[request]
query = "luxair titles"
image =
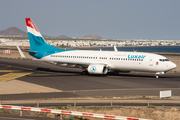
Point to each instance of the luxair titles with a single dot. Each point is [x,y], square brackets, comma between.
[136,56]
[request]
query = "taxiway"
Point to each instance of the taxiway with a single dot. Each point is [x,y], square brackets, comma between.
[27,79]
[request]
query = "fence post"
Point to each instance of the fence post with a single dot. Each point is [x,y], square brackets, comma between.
[111,103]
[74,104]
[20,112]
[37,104]
[148,103]
[61,117]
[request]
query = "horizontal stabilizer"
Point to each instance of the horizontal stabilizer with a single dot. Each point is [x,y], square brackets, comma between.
[31,51]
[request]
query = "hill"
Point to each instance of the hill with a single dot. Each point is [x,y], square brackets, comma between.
[62,36]
[91,37]
[13,32]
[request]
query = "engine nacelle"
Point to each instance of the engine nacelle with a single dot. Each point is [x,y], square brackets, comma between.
[97,69]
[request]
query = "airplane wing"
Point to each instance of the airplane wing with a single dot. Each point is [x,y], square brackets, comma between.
[65,63]
[115,49]
[60,63]
[20,52]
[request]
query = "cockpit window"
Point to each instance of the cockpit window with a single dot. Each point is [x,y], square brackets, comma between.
[162,60]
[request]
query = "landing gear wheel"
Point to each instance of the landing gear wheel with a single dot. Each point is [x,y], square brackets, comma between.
[157,76]
[85,72]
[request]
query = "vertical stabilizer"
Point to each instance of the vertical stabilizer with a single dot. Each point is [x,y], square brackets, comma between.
[36,40]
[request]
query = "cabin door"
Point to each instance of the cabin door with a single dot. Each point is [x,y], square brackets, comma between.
[151,61]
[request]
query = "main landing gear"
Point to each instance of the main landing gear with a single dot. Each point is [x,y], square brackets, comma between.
[85,72]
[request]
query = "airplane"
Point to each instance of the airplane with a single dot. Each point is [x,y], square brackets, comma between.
[95,62]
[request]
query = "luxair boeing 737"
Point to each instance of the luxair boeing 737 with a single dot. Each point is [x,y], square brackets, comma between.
[95,62]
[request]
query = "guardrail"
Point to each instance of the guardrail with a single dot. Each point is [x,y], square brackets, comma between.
[75,113]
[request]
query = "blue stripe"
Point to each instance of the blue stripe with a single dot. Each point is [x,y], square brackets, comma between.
[37,42]
[41,47]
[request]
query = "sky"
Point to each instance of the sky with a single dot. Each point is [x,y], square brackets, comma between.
[110,19]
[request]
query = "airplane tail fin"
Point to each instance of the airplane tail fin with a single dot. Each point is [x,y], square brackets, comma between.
[36,40]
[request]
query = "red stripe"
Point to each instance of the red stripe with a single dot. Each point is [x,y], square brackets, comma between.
[30,24]
[46,110]
[109,117]
[132,119]
[66,112]
[87,114]
[6,107]
[24,108]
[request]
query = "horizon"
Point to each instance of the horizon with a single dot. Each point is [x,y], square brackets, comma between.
[78,38]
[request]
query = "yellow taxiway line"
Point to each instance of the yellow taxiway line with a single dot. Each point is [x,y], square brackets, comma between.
[11,71]
[11,76]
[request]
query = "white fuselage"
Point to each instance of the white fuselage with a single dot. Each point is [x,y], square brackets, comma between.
[95,62]
[118,61]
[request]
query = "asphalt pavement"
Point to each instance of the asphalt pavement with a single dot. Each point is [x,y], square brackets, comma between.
[73,84]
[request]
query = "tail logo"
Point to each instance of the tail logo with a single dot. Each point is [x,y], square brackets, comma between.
[30,24]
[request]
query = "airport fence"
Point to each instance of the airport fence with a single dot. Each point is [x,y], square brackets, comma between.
[64,112]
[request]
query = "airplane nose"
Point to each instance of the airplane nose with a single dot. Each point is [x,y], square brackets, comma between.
[173,65]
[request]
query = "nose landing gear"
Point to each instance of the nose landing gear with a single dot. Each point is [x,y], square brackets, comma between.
[157,76]
[158,73]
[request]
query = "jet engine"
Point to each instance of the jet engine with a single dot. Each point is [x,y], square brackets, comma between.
[97,69]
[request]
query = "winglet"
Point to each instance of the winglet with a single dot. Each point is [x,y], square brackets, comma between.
[115,49]
[20,52]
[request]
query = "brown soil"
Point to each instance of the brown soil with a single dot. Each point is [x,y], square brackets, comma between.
[151,112]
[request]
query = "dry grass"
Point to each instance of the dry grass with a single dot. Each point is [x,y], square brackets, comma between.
[152,112]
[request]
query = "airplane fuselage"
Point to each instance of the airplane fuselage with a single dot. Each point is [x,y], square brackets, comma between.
[120,61]
[95,62]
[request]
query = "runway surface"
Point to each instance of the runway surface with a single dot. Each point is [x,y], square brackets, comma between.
[49,81]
